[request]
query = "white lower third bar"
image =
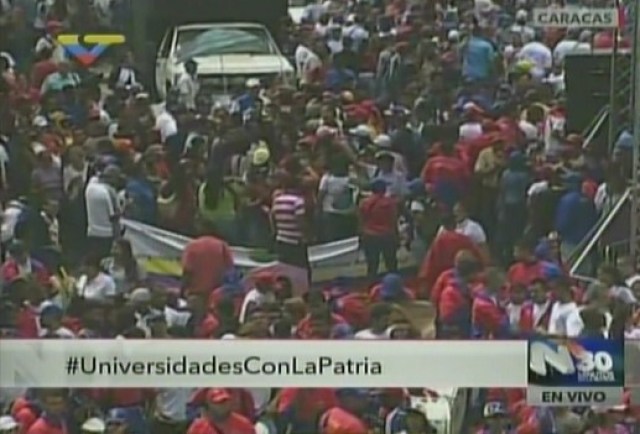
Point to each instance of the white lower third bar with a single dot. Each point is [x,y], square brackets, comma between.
[574,396]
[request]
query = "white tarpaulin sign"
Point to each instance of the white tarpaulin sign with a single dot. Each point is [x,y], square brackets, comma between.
[576,17]
[162,251]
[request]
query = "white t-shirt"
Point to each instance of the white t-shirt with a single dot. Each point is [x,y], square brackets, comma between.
[538,54]
[338,194]
[567,46]
[369,334]
[313,12]
[306,62]
[471,229]
[253,297]
[553,125]
[529,130]
[470,130]
[61,332]
[601,196]
[526,33]
[166,124]
[172,403]
[188,87]
[101,207]
[176,317]
[100,288]
[537,188]
[575,324]
[559,318]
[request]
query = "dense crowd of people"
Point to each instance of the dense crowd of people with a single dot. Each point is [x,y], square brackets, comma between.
[439,127]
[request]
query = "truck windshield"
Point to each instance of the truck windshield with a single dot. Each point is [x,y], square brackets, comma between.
[217,41]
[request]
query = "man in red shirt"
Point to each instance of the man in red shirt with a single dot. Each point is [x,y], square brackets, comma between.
[42,68]
[447,175]
[528,268]
[51,420]
[442,254]
[204,262]
[218,418]
[379,225]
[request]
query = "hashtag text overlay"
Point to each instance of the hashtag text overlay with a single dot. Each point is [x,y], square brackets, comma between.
[251,365]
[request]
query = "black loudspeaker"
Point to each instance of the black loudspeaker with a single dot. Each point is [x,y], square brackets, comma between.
[587,82]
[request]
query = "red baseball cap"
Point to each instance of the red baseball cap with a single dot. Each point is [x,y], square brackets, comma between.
[217,396]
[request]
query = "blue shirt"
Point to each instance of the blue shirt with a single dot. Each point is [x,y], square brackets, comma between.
[478,59]
[575,216]
[243,103]
[337,79]
[142,193]
[513,187]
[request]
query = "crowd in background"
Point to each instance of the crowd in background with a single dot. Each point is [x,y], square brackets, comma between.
[436,127]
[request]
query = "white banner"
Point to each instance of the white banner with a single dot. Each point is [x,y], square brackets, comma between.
[162,251]
[251,363]
[576,17]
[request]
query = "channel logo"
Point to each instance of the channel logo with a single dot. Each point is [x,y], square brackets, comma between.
[575,372]
[97,45]
[576,362]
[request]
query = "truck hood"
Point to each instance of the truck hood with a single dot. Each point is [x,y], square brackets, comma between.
[241,64]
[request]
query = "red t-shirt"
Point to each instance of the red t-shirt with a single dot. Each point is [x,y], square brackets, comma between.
[379,215]
[235,424]
[337,421]
[27,323]
[307,404]
[43,426]
[206,259]
[523,273]
[218,294]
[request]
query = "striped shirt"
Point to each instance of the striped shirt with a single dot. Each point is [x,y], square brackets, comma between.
[287,209]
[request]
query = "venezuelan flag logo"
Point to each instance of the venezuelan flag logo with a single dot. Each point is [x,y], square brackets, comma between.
[91,47]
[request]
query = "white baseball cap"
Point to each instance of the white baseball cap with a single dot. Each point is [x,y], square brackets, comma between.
[522,15]
[253,82]
[95,425]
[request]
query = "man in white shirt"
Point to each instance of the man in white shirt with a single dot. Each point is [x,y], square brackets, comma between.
[575,42]
[539,55]
[103,211]
[356,32]
[467,226]
[520,28]
[49,41]
[562,310]
[554,132]
[170,410]
[313,11]
[380,314]
[166,124]
[307,61]
[188,85]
